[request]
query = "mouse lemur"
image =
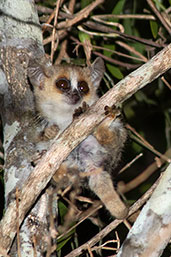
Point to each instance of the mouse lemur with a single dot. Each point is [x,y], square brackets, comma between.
[60,91]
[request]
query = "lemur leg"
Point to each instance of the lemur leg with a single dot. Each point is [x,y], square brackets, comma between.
[93,158]
[101,184]
[105,144]
[111,135]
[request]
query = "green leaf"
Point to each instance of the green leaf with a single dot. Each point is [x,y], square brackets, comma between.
[127,23]
[62,210]
[119,7]
[84,3]
[143,188]
[154,28]
[129,110]
[159,5]
[83,36]
[115,71]
[108,53]
[62,241]
[136,147]
[141,97]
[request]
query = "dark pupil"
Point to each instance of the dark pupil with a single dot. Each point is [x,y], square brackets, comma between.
[63,84]
[83,87]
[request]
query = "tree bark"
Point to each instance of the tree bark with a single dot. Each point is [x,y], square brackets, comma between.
[152,230]
[19,31]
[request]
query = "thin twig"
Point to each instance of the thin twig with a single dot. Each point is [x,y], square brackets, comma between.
[71,6]
[63,53]
[53,47]
[61,35]
[116,62]
[111,23]
[106,29]
[89,213]
[142,58]
[77,18]
[89,251]
[48,21]
[80,15]
[123,16]
[142,177]
[132,50]
[166,82]
[142,141]
[113,224]
[128,165]
[159,16]
[104,247]
[95,33]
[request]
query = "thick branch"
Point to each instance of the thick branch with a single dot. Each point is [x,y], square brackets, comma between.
[156,217]
[77,132]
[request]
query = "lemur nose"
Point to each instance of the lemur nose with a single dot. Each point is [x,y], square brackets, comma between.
[76,96]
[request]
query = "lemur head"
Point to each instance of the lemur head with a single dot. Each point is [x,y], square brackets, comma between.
[64,87]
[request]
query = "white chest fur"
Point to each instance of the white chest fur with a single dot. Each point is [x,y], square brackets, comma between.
[62,116]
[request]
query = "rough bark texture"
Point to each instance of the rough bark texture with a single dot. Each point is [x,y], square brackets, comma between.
[152,230]
[19,28]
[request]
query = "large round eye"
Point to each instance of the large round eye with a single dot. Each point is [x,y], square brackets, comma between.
[63,84]
[83,87]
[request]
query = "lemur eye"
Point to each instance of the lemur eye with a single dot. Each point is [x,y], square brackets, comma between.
[83,87]
[63,84]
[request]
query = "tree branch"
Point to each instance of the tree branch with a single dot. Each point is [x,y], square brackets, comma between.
[72,136]
[105,231]
[151,231]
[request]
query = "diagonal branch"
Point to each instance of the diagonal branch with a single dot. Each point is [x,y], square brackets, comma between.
[105,231]
[151,231]
[80,15]
[72,136]
[159,16]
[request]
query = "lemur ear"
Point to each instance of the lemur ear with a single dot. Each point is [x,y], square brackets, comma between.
[97,71]
[38,70]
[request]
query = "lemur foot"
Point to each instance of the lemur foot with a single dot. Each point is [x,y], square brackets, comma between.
[112,111]
[80,110]
[103,133]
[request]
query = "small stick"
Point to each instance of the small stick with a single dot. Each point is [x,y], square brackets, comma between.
[113,224]
[159,16]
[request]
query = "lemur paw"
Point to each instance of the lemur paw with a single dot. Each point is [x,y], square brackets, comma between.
[49,132]
[80,110]
[112,111]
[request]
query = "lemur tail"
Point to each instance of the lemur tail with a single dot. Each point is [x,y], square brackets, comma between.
[103,187]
